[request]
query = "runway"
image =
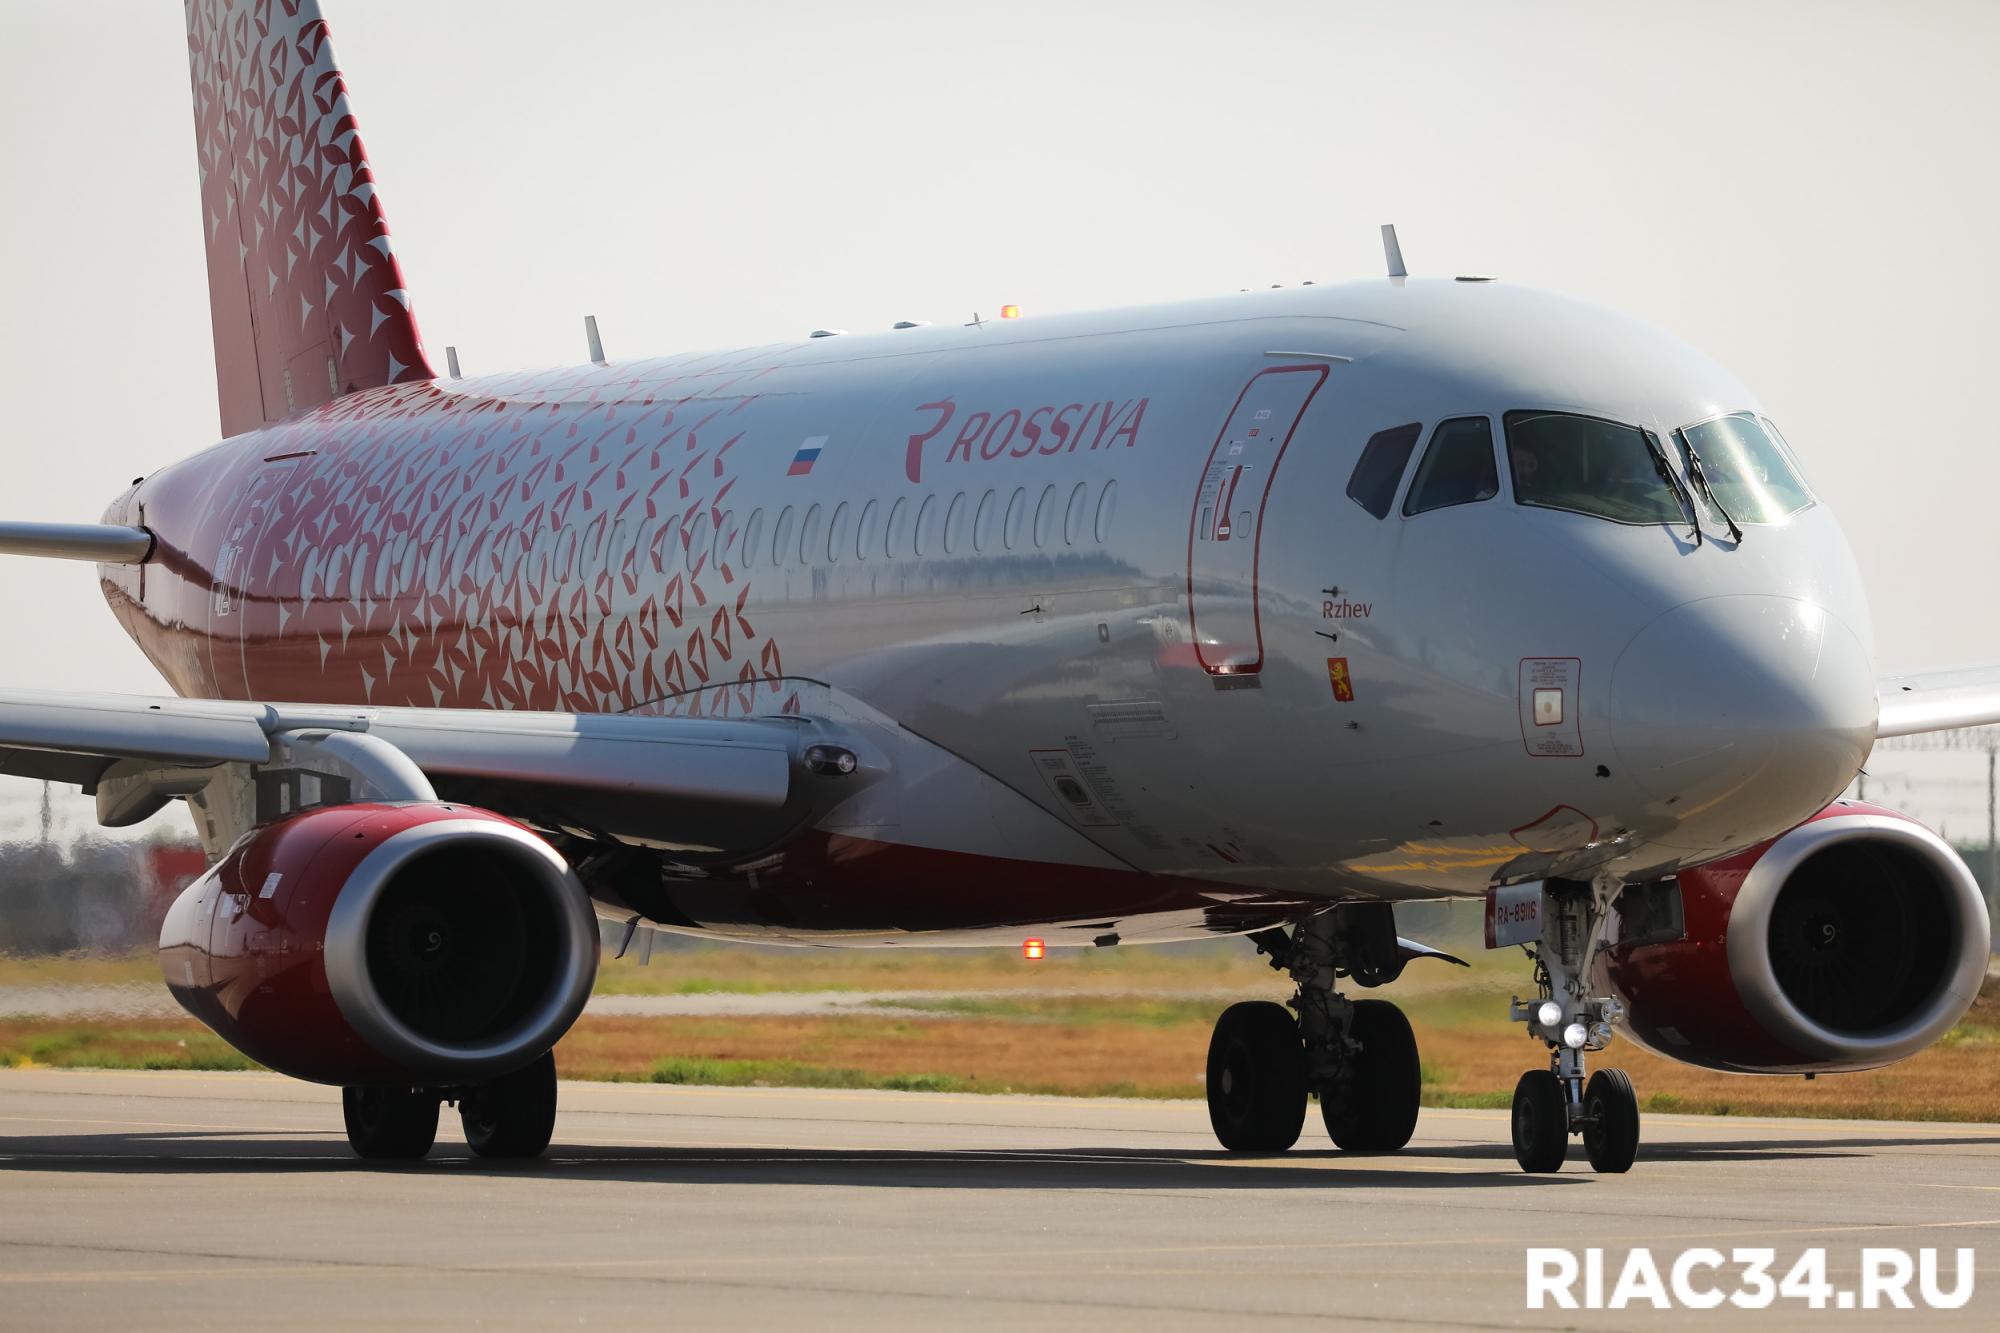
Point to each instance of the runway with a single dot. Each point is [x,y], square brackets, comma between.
[175,1199]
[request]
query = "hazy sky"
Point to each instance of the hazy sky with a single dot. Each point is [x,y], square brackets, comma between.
[1805,191]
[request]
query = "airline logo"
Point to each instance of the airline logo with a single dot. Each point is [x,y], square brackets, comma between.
[808,454]
[1025,432]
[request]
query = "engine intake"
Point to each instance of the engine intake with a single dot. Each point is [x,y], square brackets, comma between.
[418,943]
[1849,942]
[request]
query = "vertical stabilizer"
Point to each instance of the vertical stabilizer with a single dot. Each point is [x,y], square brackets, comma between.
[304,292]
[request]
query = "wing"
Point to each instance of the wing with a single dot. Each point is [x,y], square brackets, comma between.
[1938,701]
[708,785]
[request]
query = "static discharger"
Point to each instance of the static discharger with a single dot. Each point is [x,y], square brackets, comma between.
[1032,950]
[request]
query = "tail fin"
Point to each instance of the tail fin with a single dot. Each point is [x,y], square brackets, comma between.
[306,297]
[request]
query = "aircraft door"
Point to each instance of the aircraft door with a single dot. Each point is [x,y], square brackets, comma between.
[1227,524]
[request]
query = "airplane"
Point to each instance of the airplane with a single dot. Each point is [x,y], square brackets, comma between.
[1256,615]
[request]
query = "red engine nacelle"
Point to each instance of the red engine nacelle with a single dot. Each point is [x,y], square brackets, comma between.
[1849,942]
[421,944]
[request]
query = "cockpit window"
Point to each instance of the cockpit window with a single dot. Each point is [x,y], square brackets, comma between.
[1749,475]
[1380,471]
[1458,468]
[1590,466]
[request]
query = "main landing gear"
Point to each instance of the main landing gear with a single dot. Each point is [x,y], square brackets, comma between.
[1359,1056]
[1554,1103]
[511,1116]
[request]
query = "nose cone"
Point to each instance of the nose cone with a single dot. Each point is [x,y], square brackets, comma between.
[1740,716]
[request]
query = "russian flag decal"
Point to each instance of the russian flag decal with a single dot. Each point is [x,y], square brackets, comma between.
[808,454]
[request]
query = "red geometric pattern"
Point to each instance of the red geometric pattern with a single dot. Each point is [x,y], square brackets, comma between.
[305,294]
[392,541]
[424,553]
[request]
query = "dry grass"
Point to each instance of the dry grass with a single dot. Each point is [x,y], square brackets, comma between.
[1151,1050]
[704,969]
[142,1043]
[75,969]
[1068,1032]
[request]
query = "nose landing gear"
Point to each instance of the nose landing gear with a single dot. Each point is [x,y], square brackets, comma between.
[1359,1056]
[1552,1104]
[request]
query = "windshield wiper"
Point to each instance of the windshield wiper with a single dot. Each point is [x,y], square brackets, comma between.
[1674,483]
[1700,476]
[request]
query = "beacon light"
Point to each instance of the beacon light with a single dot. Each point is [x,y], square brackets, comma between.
[1010,312]
[1031,949]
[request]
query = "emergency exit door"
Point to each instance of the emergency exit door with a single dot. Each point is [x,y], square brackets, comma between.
[1228,521]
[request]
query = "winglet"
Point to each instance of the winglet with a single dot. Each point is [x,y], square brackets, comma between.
[1392,250]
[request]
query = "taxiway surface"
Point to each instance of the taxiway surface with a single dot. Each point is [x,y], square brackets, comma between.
[174,1199]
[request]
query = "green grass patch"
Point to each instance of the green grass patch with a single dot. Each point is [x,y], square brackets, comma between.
[92,1046]
[1074,1010]
[790,1074]
[1468,1101]
[79,969]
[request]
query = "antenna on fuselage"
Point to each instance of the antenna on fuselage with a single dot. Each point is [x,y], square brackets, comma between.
[1392,250]
[596,343]
[451,362]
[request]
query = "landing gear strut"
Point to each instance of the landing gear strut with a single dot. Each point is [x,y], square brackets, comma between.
[1552,1104]
[1359,1056]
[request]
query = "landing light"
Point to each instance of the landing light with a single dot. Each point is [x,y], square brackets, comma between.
[1031,950]
[1549,1014]
[830,760]
[1575,1035]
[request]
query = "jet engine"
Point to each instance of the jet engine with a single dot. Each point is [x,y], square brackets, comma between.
[422,944]
[1849,942]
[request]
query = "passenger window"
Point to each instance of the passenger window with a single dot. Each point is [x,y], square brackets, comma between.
[648,545]
[1045,517]
[926,525]
[1107,509]
[1073,517]
[413,556]
[809,535]
[1016,522]
[781,539]
[954,524]
[753,534]
[694,542]
[725,535]
[836,533]
[864,531]
[1458,468]
[982,523]
[899,518]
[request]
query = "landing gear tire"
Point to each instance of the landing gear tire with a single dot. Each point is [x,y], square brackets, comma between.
[515,1114]
[1256,1078]
[1375,1108]
[1611,1121]
[1541,1122]
[390,1124]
